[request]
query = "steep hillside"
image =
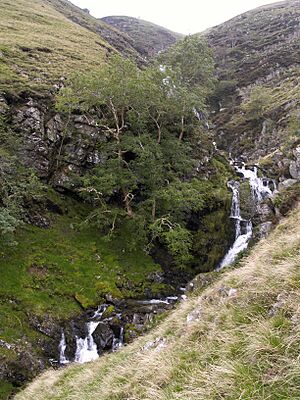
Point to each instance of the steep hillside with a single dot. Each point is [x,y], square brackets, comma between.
[237,339]
[148,39]
[43,42]
[258,63]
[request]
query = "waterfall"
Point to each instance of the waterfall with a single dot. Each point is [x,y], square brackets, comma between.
[260,190]
[86,349]
[118,342]
[62,348]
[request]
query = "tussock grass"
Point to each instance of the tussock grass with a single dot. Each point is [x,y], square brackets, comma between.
[244,341]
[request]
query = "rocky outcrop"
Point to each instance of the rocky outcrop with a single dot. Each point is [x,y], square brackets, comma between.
[58,148]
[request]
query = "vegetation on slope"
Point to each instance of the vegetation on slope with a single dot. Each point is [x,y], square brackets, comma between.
[257,60]
[147,117]
[42,42]
[238,339]
[52,275]
[39,46]
[158,187]
[148,39]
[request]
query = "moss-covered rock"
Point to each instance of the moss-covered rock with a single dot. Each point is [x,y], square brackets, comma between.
[212,240]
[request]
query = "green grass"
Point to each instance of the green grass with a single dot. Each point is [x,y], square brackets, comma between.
[39,45]
[244,346]
[52,270]
[52,274]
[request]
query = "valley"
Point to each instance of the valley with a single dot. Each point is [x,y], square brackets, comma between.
[149,187]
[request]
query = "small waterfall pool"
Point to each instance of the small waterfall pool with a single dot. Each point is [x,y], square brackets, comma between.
[260,190]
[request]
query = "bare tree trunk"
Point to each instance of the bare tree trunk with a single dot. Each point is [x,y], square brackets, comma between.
[154,210]
[182,129]
[127,200]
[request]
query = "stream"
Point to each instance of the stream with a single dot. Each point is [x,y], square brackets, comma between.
[261,189]
[98,332]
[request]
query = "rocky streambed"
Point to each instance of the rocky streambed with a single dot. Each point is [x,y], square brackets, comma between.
[108,328]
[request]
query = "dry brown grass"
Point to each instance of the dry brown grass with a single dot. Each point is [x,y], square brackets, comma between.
[244,345]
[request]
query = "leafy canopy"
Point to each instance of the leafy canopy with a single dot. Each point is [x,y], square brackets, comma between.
[153,140]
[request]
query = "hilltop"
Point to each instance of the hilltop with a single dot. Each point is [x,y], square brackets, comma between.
[148,39]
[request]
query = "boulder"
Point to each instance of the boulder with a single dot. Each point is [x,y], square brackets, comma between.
[286,184]
[103,336]
[295,164]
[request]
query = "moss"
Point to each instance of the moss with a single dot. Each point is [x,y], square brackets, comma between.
[108,312]
[247,204]
[214,237]
[6,390]
[287,199]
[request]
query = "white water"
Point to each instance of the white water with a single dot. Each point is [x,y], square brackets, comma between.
[86,349]
[118,342]
[62,348]
[243,228]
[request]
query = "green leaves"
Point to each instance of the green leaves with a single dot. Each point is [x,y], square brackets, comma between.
[152,141]
[19,186]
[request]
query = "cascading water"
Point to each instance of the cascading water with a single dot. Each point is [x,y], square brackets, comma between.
[86,347]
[62,348]
[260,190]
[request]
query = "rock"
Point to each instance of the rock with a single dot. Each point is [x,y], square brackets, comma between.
[3,106]
[265,211]
[54,128]
[295,169]
[265,228]
[103,336]
[286,184]
[193,316]
[295,165]
[276,307]
[158,344]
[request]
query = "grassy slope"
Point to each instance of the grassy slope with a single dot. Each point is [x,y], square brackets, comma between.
[39,45]
[44,40]
[243,343]
[52,274]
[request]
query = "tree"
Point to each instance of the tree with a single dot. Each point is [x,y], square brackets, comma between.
[144,116]
[191,64]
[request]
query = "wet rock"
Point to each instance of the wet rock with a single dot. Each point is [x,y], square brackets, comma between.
[103,336]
